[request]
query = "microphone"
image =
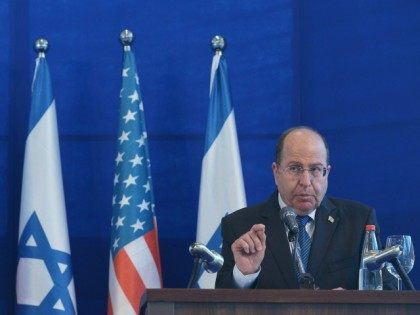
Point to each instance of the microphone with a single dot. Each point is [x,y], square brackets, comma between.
[212,260]
[374,261]
[288,216]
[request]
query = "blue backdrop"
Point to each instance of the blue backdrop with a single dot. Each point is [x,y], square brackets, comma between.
[348,68]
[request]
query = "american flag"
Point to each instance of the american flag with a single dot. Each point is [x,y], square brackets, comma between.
[134,253]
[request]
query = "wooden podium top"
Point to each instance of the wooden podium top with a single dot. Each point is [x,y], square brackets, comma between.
[291,302]
[282,296]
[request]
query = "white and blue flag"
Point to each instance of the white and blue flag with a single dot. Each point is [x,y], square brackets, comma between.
[222,187]
[44,280]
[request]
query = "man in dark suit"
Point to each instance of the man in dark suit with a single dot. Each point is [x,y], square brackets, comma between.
[256,250]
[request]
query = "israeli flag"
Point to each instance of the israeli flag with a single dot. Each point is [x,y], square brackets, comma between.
[222,186]
[44,283]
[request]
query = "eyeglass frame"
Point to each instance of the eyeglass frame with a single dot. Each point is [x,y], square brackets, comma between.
[287,170]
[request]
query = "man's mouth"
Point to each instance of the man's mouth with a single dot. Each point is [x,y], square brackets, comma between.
[304,196]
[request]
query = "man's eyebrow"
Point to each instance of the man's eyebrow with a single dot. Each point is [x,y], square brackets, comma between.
[294,163]
[317,164]
[301,164]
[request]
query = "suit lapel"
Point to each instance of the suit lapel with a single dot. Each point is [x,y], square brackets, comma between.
[326,221]
[277,242]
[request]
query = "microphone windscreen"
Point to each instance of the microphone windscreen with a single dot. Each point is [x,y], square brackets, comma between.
[288,216]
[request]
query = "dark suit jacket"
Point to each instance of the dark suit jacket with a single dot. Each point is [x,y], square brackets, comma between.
[335,251]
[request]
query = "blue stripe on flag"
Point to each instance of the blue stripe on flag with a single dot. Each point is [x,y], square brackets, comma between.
[42,96]
[215,243]
[220,103]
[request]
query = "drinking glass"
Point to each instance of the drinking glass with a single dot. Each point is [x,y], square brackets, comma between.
[406,258]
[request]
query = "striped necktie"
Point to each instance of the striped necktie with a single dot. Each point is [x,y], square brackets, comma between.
[304,239]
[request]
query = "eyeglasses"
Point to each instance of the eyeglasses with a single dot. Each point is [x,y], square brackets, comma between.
[296,171]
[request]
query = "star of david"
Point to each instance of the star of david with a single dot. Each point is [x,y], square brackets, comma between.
[34,244]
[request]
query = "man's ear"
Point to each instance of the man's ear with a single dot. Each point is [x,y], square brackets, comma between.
[275,169]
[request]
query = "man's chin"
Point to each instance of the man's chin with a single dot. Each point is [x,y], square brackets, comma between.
[304,207]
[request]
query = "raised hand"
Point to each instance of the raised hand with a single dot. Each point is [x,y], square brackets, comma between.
[249,249]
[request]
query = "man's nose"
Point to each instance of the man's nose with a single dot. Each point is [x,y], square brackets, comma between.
[305,178]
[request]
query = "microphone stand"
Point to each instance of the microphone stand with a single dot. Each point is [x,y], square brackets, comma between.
[194,272]
[306,280]
[401,272]
[209,259]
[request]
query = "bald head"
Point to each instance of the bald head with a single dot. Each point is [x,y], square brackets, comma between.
[302,135]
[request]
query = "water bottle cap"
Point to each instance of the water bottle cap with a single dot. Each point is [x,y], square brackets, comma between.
[370,227]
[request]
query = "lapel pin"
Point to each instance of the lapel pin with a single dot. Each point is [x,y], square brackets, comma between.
[331,219]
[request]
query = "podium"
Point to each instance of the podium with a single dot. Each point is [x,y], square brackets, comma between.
[264,302]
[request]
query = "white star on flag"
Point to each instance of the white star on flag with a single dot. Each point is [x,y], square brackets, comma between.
[147,186]
[124,136]
[137,160]
[140,141]
[137,79]
[115,245]
[125,201]
[125,72]
[129,116]
[119,222]
[134,97]
[131,180]
[119,157]
[144,205]
[137,226]
[116,179]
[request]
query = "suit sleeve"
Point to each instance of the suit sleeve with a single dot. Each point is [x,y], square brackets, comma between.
[225,275]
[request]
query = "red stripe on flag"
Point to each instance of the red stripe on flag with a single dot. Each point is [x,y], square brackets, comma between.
[109,311]
[128,278]
[151,239]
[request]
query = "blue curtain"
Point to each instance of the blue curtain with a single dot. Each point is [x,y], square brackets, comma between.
[347,68]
